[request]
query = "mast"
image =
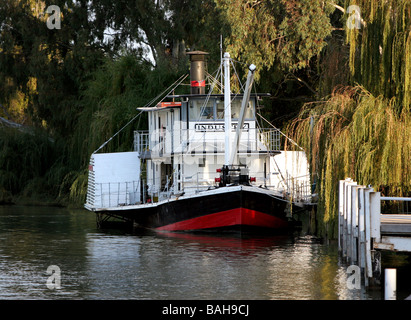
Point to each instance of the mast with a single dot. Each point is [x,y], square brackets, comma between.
[227,108]
[221,59]
[244,102]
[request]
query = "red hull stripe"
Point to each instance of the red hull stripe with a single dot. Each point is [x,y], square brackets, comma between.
[238,216]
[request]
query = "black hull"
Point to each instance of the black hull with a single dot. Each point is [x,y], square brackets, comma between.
[235,210]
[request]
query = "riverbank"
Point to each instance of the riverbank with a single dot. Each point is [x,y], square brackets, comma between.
[7,199]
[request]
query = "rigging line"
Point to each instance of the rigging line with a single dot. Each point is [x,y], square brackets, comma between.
[238,77]
[111,138]
[217,71]
[172,86]
[257,105]
[236,61]
[291,140]
[146,105]
[204,105]
[213,79]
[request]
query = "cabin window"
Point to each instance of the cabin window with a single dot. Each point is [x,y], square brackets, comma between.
[199,110]
[236,108]
[220,110]
[214,110]
[207,111]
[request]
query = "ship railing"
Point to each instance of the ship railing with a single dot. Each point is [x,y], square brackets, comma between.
[252,139]
[299,188]
[270,138]
[198,182]
[160,142]
[115,194]
[296,189]
[141,141]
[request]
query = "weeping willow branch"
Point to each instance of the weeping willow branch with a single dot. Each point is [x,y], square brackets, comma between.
[355,134]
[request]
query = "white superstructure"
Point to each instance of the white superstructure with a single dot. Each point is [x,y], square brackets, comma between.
[187,145]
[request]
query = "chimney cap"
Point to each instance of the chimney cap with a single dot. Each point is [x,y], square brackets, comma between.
[197,52]
[197,55]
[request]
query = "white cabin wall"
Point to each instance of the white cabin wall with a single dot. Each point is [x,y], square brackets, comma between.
[289,165]
[116,179]
[256,165]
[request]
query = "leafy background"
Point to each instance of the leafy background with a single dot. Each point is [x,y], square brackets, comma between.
[342,93]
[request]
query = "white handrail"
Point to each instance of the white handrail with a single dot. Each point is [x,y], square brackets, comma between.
[396,198]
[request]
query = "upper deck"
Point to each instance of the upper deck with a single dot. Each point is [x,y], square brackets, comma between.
[195,124]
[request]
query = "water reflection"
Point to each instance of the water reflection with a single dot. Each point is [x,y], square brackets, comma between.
[98,264]
[183,265]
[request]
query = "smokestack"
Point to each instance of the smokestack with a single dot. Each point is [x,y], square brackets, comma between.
[197,71]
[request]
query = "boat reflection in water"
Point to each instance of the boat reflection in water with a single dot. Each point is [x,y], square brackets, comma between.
[171,265]
[118,264]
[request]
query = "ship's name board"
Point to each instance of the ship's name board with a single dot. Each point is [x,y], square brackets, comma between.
[217,127]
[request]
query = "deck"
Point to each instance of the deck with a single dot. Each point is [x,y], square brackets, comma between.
[396,224]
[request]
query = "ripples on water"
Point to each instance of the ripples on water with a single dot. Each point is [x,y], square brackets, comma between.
[148,265]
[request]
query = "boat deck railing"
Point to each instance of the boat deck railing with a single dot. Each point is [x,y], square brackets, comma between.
[113,194]
[162,142]
[117,194]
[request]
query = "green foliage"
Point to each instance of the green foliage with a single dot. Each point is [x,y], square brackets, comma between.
[25,159]
[380,52]
[363,131]
[79,87]
[276,32]
[111,100]
[355,134]
[78,189]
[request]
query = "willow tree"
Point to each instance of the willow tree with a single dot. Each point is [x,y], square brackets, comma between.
[363,131]
[380,51]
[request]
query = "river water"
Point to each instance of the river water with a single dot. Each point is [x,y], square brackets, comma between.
[87,263]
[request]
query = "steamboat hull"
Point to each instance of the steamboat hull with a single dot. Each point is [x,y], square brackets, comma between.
[236,208]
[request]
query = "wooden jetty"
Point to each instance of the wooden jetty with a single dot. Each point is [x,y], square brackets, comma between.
[363,231]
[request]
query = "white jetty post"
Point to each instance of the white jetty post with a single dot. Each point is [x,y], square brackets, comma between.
[341,201]
[375,230]
[347,219]
[375,211]
[361,228]
[227,108]
[390,291]
[367,225]
[354,225]
[342,217]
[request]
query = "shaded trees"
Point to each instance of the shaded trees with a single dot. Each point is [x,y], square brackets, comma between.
[363,131]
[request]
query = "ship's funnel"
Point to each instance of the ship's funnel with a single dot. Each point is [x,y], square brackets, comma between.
[197,71]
